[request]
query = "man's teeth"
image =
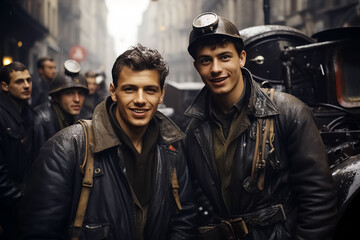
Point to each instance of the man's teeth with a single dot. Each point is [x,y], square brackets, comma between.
[139,111]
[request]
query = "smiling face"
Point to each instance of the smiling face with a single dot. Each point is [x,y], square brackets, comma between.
[20,85]
[71,100]
[220,69]
[138,94]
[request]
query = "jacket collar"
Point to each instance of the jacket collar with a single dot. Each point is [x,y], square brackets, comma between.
[258,103]
[105,136]
[9,105]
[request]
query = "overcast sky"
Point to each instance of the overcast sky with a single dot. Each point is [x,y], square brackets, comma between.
[123,19]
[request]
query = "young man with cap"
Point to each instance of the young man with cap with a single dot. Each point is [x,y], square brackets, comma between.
[16,125]
[257,159]
[67,92]
[141,187]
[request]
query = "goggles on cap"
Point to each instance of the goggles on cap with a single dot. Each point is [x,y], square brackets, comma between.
[72,67]
[206,22]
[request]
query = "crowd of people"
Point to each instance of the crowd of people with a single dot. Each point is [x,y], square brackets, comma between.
[250,165]
[31,113]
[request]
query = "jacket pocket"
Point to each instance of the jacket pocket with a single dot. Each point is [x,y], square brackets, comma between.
[96,231]
[93,231]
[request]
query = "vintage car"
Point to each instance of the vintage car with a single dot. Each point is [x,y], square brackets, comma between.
[324,72]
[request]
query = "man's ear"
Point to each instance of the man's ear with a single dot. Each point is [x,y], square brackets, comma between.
[112,90]
[242,58]
[4,86]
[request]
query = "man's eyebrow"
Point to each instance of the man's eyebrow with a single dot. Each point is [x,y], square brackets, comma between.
[220,54]
[225,53]
[203,56]
[134,85]
[127,85]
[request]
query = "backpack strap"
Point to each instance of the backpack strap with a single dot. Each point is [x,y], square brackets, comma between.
[264,135]
[175,189]
[87,168]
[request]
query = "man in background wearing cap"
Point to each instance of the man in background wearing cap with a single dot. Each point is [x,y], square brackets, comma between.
[67,92]
[276,186]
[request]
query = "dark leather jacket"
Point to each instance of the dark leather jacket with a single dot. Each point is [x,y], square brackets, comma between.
[54,186]
[15,141]
[40,92]
[15,159]
[301,181]
[47,123]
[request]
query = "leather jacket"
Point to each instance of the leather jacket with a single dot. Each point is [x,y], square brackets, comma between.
[40,92]
[54,184]
[300,181]
[15,159]
[15,142]
[47,123]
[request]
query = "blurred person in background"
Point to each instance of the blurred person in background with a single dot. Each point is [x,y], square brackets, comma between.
[93,98]
[103,89]
[67,91]
[16,124]
[46,70]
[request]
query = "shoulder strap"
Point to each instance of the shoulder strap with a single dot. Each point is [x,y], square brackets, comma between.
[264,135]
[175,188]
[87,168]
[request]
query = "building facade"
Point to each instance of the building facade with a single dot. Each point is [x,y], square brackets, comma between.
[167,23]
[35,28]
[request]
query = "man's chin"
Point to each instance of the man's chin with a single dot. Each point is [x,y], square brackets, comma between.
[75,113]
[25,97]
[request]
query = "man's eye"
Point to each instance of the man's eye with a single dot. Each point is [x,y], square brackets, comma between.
[151,90]
[128,89]
[225,57]
[19,81]
[69,93]
[204,61]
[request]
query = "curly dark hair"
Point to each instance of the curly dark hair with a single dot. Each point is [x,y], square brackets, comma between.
[140,58]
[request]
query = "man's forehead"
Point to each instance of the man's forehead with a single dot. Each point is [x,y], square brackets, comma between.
[129,76]
[49,63]
[209,51]
[19,74]
[91,79]
[214,46]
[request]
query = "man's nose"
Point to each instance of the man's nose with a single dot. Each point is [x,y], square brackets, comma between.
[76,97]
[216,66]
[140,97]
[26,84]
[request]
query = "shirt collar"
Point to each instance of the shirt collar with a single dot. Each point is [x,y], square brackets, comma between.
[234,110]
